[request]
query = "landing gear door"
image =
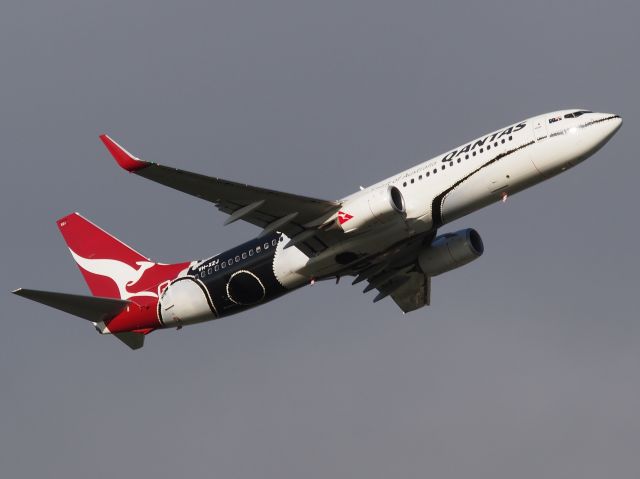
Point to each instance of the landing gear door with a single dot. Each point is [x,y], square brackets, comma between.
[540,128]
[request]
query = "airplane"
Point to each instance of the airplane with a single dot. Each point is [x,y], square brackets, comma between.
[385,234]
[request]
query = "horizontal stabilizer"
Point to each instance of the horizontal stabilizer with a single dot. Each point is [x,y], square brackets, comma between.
[92,308]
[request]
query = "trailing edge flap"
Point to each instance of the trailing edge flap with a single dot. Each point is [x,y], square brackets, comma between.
[91,308]
[413,294]
[133,340]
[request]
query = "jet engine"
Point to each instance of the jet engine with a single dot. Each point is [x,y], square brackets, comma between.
[450,251]
[375,208]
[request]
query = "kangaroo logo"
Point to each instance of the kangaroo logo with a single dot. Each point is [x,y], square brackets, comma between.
[123,275]
[343,217]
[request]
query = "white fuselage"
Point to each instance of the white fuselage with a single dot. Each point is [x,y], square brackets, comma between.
[476,174]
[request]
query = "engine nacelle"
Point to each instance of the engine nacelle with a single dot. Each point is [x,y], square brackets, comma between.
[376,208]
[450,251]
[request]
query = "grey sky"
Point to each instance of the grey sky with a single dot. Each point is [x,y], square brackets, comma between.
[526,366]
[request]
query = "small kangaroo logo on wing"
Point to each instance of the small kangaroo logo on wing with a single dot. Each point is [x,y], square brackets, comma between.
[343,217]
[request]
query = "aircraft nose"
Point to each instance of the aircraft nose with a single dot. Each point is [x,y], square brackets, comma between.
[594,135]
[616,123]
[608,124]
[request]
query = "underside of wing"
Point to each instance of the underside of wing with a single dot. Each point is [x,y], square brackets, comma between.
[397,275]
[410,289]
[414,293]
[295,215]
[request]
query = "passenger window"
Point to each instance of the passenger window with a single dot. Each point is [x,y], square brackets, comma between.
[209,271]
[274,242]
[251,252]
[224,265]
[258,249]
[216,268]
[404,184]
[230,261]
[244,255]
[510,138]
[202,274]
[420,177]
[503,140]
[266,246]
[237,259]
[428,173]
[412,180]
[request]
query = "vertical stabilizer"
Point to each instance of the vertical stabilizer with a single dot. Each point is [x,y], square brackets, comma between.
[111,268]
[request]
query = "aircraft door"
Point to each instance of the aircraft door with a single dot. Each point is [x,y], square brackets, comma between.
[540,128]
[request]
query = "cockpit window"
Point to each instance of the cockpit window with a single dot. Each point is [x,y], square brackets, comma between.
[576,114]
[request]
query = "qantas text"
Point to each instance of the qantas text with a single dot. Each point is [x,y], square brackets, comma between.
[478,143]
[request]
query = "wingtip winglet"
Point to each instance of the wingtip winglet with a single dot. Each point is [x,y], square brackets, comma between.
[125,159]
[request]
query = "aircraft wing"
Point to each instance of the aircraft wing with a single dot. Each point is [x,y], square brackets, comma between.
[296,216]
[409,289]
[397,275]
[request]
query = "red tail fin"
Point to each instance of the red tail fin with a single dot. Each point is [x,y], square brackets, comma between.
[111,268]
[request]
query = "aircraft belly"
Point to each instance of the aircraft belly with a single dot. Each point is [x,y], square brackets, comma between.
[374,241]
